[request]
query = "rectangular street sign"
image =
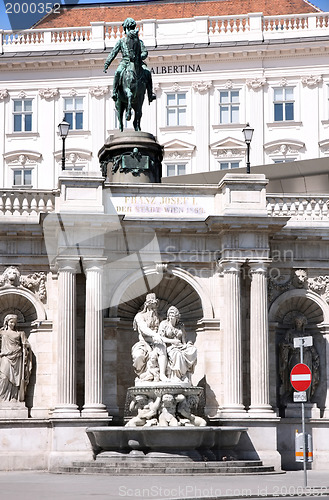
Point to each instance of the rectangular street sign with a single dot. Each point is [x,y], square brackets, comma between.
[303,341]
[300,397]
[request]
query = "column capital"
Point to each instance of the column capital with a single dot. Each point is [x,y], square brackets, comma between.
[258,267]
[232,267]
[93,263]
[68,264]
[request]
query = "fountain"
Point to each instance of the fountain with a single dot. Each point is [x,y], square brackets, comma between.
[164,417]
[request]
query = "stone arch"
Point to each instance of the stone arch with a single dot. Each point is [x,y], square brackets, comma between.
[307,302]
[133,288]
[22,303]
[173,287]
[281,320]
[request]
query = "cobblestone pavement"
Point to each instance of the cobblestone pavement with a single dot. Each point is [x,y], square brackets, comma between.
[45,486]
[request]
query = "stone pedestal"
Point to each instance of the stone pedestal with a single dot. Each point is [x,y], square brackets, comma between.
[155,390]
[294,410]
[13,409]
[131,157]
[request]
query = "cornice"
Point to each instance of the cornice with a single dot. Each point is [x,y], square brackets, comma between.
[170,55]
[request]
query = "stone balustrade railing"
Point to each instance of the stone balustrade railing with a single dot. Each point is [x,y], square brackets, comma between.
[307,208]
[29,203]
[199,29]
[32,202]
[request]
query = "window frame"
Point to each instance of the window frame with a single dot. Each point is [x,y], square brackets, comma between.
[176,107]
[74,112]
[23,171]
[229,162]
[284,103]
[23,113]
[176,165]
[230,104]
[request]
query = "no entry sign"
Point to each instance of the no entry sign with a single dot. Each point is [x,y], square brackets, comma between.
[301,377]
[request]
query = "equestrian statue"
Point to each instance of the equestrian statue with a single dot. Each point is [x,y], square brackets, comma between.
[132,76]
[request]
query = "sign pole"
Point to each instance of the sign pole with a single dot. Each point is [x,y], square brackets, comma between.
[303,424]
[301,378]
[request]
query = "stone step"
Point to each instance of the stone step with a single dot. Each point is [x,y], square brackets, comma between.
[134,468]
[126,462]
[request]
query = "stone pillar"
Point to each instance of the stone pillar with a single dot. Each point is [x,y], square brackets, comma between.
[326,374]
[66,366]
[259,359]
[94,340]
[233,401]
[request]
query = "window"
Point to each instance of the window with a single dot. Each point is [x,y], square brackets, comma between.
[283,104]
[73,112]
[22,115]
[176,109]
[176,169]
[22,177]
[284,160]
[229,106]
[226,165]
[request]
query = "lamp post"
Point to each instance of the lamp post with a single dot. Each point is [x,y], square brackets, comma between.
[248,131]
[63,128]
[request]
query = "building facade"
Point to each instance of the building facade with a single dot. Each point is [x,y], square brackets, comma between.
[246,266]
[211,74]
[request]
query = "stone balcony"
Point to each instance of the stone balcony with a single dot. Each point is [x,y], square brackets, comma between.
[250,27]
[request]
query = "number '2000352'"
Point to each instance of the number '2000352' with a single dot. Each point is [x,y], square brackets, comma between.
[32,8]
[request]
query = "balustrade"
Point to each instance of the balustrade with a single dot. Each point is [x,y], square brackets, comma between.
[298,207]
[251,26]
[26,203]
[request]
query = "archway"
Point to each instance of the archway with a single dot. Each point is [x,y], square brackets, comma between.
[313,313]
[120,336]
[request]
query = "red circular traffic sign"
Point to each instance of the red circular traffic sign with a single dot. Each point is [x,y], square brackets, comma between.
[301,377]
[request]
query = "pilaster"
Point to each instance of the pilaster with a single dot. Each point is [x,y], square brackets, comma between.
[94,406]
[66,377]
[233,401]
[259,359]
[326,337]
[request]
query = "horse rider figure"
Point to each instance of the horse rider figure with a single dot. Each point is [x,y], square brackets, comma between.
[133,50]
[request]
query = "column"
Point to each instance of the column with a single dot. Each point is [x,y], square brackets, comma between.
[94,340]
[326,374]
[233,402]
[66,366]
[259,359]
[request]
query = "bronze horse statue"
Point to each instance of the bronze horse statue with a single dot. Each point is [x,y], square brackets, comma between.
[131,95]
[132,77]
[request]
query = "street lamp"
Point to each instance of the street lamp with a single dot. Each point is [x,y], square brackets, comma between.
[63,128]
[248,131]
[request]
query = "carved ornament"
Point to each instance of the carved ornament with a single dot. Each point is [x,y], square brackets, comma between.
[311,81]
[48,93]
[256,83]
[36,282]
[3,94]
[202,86]
[99,91]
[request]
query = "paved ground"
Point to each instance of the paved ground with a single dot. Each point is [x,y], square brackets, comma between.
[45,486]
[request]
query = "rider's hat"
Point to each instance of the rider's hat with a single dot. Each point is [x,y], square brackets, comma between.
[129,23]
